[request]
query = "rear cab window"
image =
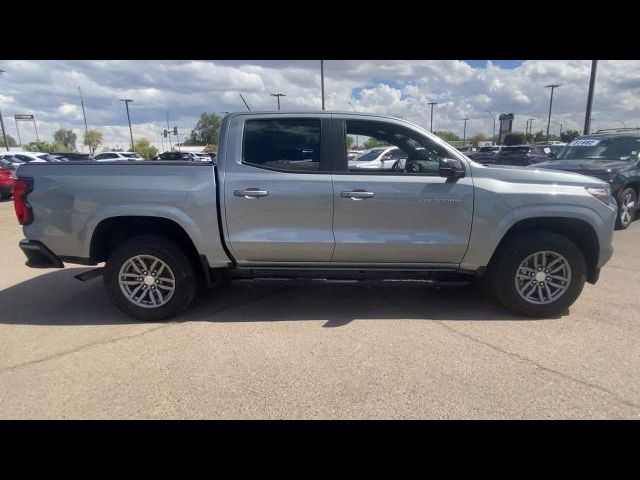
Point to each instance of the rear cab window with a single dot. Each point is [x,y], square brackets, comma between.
[283,144]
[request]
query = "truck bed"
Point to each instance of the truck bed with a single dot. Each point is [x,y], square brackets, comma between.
[70,200]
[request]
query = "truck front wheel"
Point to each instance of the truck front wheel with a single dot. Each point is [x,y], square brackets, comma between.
[150,278]
[539,274]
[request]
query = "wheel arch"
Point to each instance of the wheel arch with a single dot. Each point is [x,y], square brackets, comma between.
[578,231]
[111,232]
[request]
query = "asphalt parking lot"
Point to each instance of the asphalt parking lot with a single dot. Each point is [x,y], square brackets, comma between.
[276,351]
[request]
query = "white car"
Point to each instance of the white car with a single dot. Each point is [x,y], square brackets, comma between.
[25,157]
[379,158]
[118,156]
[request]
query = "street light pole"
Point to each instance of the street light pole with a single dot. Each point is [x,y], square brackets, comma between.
[4,134]
[552,86]
[464,132]
[126,104]
[592,84]
[278,95]
[321,82]
[169,132]
[432,104]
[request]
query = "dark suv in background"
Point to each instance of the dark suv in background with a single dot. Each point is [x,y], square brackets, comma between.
[521,155]
[612,156]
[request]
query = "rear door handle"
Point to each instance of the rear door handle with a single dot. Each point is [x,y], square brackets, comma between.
[357,194]
[251,193]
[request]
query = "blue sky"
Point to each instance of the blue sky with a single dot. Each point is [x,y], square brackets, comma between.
[506,64]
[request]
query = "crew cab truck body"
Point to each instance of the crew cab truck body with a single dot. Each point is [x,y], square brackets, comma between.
[281,201]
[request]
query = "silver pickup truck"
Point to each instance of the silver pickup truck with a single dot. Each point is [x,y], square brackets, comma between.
[282,202]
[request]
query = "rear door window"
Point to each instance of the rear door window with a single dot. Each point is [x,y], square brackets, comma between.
[288,144]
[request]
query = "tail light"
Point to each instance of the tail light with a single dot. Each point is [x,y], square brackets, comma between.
[6,177]
[21,189]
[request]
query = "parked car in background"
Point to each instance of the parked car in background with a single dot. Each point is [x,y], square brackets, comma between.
[118,156]
[68,157]
[468,149]
[612,156]
[519,155]
[203,157]
[6,159]
[379,158]
[29,157]
[178,157]
[352,154]
[7,180]
[488,152]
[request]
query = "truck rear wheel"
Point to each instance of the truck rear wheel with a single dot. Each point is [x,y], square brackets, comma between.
[150,278]
[539,274]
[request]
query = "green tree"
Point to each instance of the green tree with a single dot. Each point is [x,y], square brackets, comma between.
[92,139]
[515,138]
[350,142]
[374,142]
[144,148]
[206,131]
[66,139]
[447,136]
[570,135]
[40,146]
[478,137]
[12,141]
[540,136]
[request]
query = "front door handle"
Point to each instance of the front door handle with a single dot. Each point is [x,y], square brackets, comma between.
[357,194]
[251,193]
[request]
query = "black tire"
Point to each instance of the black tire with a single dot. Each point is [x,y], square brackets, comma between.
[502,272]
[630,193]
[169,253]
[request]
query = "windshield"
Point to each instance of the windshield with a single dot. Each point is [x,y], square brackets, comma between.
[594,148]
[370,155]
[8,160]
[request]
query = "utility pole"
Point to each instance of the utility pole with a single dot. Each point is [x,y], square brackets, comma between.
[162,140]
[86,129]
[126,104]
[464,132]
[432,104]
[321,84]
[278,95]
[592,84]
[531,119]
[169,132]
[4,134]
[552,86]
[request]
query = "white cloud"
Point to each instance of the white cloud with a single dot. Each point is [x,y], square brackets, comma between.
[49,89]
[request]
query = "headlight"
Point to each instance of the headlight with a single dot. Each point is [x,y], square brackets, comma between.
[601,193]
